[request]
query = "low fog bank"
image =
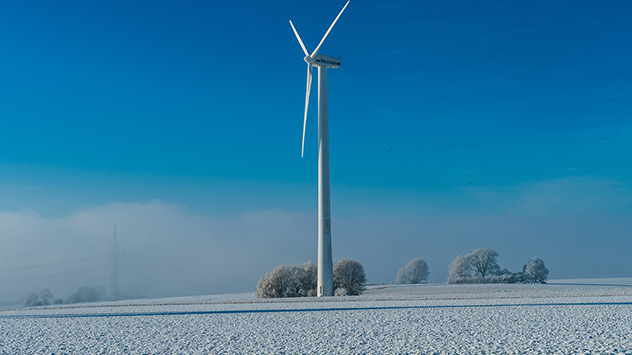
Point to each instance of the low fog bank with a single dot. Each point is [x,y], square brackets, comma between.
[169,251]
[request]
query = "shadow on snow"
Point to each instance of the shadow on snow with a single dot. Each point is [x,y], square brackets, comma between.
[299,310]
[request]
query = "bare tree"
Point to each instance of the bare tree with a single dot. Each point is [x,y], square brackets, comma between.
[349,275]
[484,262]
[535,271]
[414,272]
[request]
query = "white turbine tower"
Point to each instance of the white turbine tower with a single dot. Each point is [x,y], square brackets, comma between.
[325,263]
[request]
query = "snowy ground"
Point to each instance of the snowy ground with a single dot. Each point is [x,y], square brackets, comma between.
[563,317]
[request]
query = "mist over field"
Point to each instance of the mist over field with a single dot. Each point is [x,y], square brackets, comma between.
[169,250]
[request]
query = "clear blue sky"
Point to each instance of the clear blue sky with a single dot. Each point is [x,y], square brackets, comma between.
[510,111]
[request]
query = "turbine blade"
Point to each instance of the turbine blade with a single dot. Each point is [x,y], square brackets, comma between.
[329,30]
[309,88]
[299,39]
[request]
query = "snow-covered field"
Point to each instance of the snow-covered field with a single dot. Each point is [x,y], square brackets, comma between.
[563,317]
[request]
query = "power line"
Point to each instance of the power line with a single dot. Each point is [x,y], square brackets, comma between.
[52,276]
[52,264]
[114,259]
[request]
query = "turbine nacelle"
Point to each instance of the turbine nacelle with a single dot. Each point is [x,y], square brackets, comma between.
[323,61]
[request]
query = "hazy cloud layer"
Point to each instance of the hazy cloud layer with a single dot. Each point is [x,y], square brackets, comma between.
[580,228]
[167,250]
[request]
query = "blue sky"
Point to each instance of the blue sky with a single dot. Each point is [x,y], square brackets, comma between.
[504,118]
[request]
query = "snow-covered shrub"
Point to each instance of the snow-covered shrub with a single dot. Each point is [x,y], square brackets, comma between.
[288,281]
[507,278]
[535,271]
[340,291]
[349,274]
[278,283]
[414,272]
[271,284]
[302,281]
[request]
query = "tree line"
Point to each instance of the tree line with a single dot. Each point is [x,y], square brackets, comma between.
[45,297]
[479,266]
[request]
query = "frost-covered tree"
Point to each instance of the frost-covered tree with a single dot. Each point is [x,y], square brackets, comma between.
[46,296]
[484,262]
[42,298]
[271,284]
[310,279]
[414,272]
[535,271]
[349,275]
[86,294]
[460,269]
[302,280]
[294,281]
[288,281]
[478,267]
[281,282]
[32,299]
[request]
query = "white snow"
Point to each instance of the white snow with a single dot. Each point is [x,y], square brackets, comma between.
[563,317]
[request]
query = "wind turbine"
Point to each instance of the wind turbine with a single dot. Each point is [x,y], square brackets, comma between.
[322,62]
